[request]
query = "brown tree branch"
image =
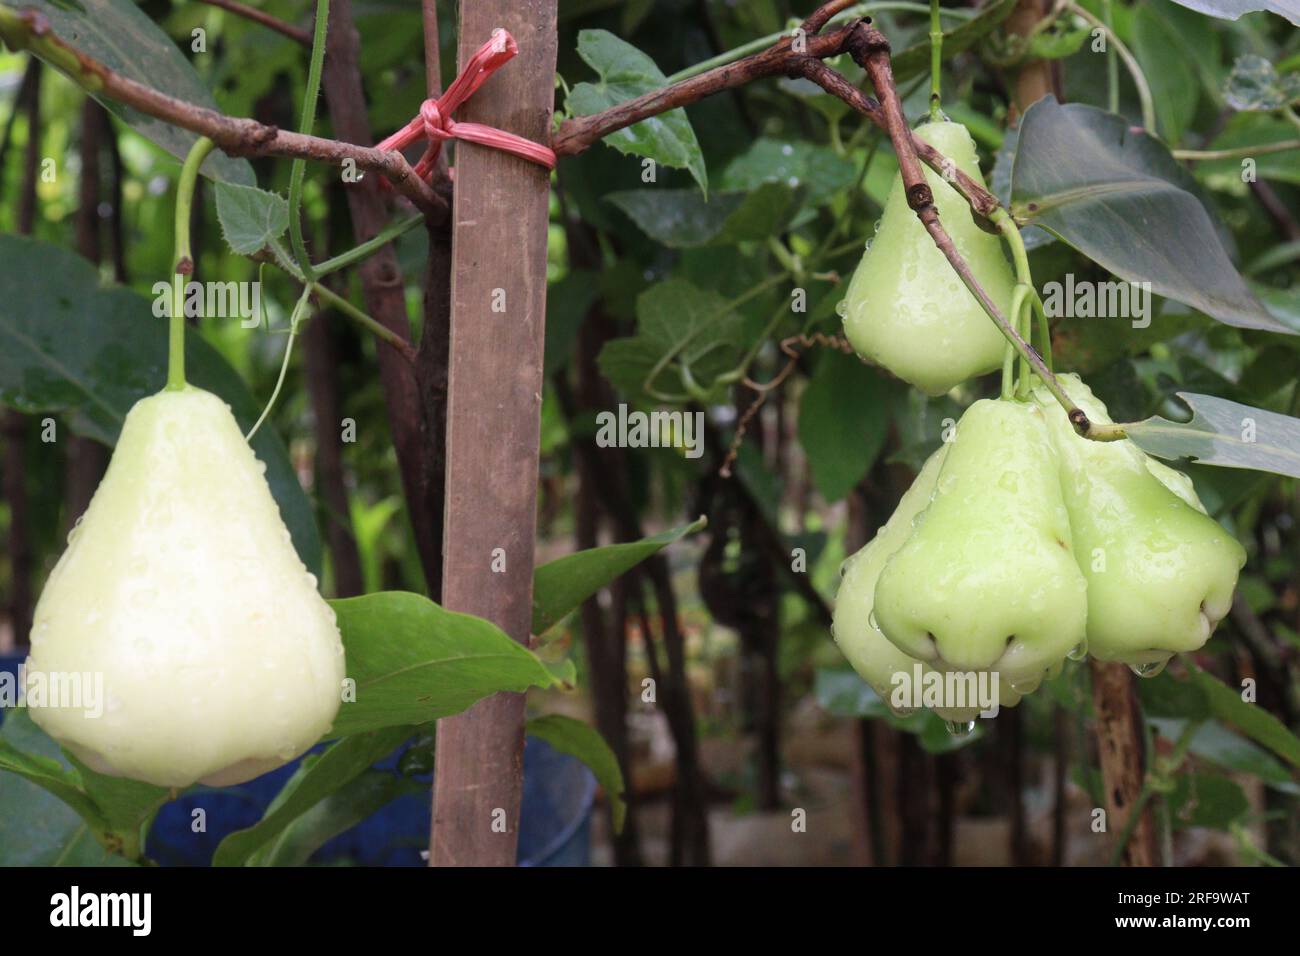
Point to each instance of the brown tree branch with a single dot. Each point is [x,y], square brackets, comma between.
[28,30]
[297,34]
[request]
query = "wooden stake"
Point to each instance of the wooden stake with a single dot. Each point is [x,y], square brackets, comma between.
[498,297]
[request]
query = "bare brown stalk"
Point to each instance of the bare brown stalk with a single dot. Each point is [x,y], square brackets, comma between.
[297,34]
[28,30]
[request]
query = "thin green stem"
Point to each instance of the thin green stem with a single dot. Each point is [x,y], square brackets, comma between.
[294,319]
[1009,352]
[367,248]
[762,43]
[358,315]
[299,167]
[1112,61]
[1289,114]
[1021,315]
[1259,149]
[183,261]
[936,58]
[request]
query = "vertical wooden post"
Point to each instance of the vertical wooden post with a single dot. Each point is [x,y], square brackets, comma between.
[498,306]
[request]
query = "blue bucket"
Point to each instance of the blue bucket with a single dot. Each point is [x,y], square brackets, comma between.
[554,827]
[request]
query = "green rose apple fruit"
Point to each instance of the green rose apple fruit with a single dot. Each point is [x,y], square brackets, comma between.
[906,309]
[987,580]
[1160,572]
[180,588]
[877,661]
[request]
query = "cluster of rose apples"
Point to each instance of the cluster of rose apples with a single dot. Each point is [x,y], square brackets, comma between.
[1020,543]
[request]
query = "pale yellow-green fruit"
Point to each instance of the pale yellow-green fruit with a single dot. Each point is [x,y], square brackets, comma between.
[1160,572]
[987,580]
[181,590]
[888,670]
[906,309]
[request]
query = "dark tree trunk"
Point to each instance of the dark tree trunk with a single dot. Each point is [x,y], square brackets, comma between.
[320,357]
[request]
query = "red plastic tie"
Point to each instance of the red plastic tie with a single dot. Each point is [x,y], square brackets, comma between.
[435,124]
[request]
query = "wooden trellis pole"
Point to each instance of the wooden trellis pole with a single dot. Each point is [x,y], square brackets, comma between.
[498,309]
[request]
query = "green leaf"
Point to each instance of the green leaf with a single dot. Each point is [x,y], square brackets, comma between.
[559,586]
[682,218]
[1234,9]
[1224,433]
[793,163]
[625,73]
[1169,71]
[121,36]
[127,805]
[38,823]
[1251,719]
[567,302]
[696,327]
[250,218]
[48,774]
[1121,199]
[1207,800]
[317,778]
[414,661]
[73,347]
[581,740]
[843,693]
[1163,696]
[352,803]
[843,420]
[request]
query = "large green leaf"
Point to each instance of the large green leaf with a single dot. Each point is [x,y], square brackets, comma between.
[317,778]
[1169,70]
[682,218]
[793,163]
[1251,719]
[1234,9]
[843,420]
[38,792]
[72,346]
[120,35]
[1120,198]
[352,803]
[1224,433]
[625,73]
[581,740]
[561,585]
[414,661]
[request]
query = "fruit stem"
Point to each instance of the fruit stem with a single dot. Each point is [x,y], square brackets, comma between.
[184,264]
[936,57]
[1009,352]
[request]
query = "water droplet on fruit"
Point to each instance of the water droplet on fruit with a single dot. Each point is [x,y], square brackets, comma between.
[871,619]
[1151,669]
[960,728]
[1079,651]
[842,308]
